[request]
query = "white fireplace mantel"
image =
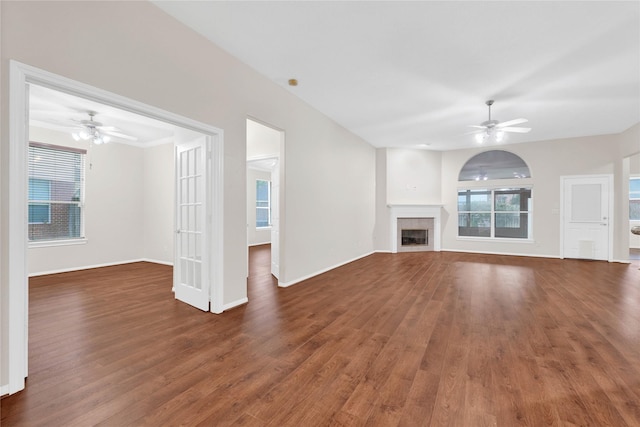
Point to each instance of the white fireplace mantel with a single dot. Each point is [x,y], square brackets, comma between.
[415,211]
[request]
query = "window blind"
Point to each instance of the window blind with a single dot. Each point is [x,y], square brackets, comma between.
[56,192]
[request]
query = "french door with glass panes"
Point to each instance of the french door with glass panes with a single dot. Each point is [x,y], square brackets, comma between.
[191,278]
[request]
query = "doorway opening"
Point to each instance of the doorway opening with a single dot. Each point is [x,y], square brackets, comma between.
[265,148]
[22,78]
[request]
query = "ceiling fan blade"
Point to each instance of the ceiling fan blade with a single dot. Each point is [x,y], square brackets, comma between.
[121,135]
[474,131]
[516,130]
[511,123]
[477,126]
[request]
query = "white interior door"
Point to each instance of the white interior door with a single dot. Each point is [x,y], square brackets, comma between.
[586,217]
[275,220]
[191,278]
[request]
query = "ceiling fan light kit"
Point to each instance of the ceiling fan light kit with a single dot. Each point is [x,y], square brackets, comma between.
[494,129]
[95,137]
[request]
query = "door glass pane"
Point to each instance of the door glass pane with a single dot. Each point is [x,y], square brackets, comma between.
[192,162]
[197,226]
[197,282]
[184,218]
[196,189]
[184,171]
[184,187]
[198,238]
[183,271]
[192,191]
[196,165]
[586,203]
[189,281]
[185,244]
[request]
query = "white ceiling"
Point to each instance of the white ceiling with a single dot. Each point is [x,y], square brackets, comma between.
[60,111]
[417,73]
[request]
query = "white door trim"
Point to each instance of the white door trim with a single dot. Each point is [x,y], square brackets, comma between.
[610,216]
[20,75]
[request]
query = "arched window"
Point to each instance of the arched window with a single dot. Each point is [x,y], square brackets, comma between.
[494,164]
[494,212]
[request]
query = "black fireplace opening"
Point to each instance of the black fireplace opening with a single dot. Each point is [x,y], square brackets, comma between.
[412,237]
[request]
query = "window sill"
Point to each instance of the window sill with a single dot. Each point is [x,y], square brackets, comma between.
[268,227]
[52,243]
[495,239]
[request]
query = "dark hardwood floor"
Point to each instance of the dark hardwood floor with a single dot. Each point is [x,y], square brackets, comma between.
[408,339]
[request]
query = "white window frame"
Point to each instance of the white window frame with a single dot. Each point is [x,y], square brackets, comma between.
[633,177]
[492,213]
[268,207]
[67,240]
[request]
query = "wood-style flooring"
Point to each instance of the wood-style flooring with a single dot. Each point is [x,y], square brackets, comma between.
[413,339]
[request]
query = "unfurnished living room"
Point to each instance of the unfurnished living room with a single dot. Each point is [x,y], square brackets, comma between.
[320,213]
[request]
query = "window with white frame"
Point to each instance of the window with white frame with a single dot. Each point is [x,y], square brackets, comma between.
[634,198]
[263,203]
[495,213]
[56,192]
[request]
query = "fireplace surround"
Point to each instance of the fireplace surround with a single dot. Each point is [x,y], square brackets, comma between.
[415,217]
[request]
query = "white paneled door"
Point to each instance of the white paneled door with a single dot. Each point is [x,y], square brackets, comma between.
[191,279]
[586,217]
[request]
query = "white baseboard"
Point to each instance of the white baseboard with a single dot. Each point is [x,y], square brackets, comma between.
[309,276]
[236,303]
[4,390]
[502,253]
[88,267]
[157,261]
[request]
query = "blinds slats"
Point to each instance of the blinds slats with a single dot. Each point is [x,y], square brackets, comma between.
[56,190]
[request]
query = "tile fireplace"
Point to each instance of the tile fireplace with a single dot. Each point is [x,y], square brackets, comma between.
[415,228]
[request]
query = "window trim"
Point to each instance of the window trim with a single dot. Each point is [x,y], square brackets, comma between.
[59,242]
[492,214]
[66,240]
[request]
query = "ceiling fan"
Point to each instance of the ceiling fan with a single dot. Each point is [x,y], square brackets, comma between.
[96,131]
[497,129]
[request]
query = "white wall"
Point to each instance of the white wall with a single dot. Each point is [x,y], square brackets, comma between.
[548,161]
[413,176]
[382,226]
[154,59]
[128,206]
[113,207]
[158,203]
[255,236]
